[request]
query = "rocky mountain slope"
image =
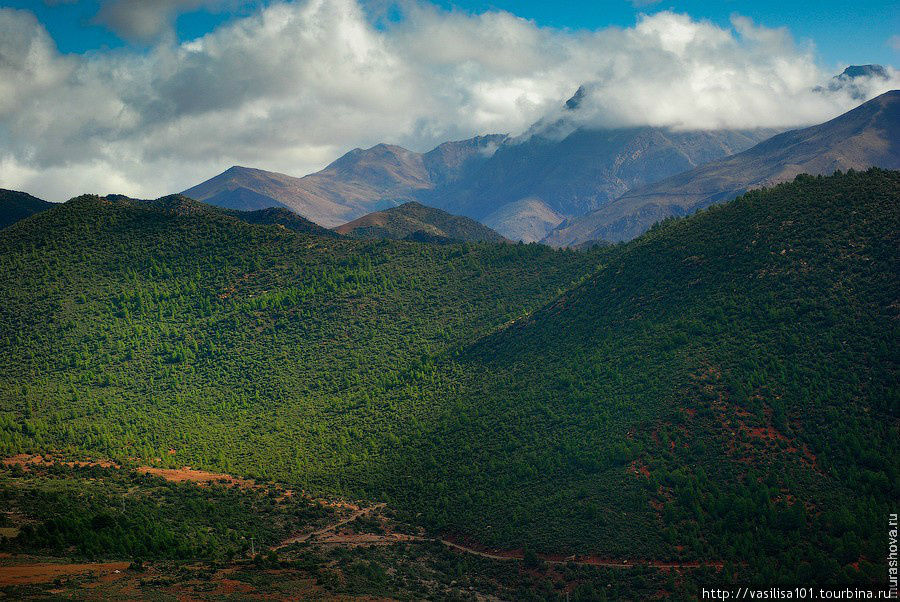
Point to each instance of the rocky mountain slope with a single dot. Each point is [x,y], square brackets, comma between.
[534,182]
[359,182]
[864,137]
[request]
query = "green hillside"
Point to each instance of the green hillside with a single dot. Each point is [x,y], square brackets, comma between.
[722,389]
[725,387]
[15,206]
[132,327]
[414,221]
[269,216]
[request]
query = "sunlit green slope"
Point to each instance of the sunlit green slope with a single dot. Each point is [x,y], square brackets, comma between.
[129,328]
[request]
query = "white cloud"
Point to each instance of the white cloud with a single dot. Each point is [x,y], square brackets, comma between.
[296,84]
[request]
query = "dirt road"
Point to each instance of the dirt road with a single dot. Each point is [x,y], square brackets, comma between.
[328,536]
[330,528]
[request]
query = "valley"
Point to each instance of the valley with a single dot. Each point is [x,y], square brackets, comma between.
[462,301]
[711,377]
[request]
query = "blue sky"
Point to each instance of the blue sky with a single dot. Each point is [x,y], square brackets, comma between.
[107,96]
[843,31]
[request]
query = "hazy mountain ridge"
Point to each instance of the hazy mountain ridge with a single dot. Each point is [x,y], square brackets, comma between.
[559,170]
[359,182]
[521,187]
[866,136]
[528,219]
[562,170]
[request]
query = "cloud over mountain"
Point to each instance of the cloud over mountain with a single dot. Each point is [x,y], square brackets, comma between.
[296,84]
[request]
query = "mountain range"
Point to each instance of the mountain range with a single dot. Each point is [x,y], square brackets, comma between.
[359,182]
[869,135]
[565,184]
[561,170]
[521,187]
[560,183]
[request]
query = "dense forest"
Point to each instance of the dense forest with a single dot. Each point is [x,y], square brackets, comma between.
[135,328]
[19,205]
[723,388]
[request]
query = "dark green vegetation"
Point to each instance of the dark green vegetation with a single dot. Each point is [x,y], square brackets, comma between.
[723,388]
[726,383]
[414,221]
[105,512]
[269,216]
[133,327]
[15,206]
[281,217]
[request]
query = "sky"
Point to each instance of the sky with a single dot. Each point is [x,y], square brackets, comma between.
[149,97]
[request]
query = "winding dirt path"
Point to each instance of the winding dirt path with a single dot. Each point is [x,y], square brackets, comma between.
[581,560]
[330,528]
[327,536]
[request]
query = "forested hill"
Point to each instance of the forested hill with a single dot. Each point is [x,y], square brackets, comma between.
[721,389]
[15,206]
[281,217]
[414,221]
[130,328]
[725,387]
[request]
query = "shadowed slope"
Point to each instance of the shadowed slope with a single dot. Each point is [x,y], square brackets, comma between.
[415,221]
[722,388]
[15,206]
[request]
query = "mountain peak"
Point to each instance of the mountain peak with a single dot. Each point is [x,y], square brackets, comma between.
[852,80]
[854,71]
[861,138]
[574,102]
[238,169]
[358,182]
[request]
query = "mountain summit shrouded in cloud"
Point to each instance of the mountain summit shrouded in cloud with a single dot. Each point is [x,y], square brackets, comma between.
[293,85]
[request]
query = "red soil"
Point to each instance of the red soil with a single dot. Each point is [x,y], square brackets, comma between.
[640,469]
[26,460]
[188,474]
[45,572]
